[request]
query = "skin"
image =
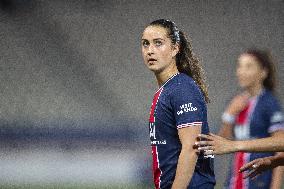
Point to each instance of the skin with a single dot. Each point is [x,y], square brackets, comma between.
[221,145]
[257,166]
[159,56]
[159,53]
[250,77]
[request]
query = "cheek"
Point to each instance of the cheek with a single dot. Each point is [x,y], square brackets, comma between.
[165,53]
[253,73]
[143,53]
[252,77]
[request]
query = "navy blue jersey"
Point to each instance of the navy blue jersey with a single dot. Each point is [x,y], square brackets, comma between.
[261,117]
[179,103]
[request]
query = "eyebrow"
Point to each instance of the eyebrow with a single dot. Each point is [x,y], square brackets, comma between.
[153,39]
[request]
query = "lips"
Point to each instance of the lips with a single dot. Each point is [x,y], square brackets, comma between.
[152,60]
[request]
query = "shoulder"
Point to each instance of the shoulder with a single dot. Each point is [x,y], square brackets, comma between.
[269,98]
[184,83]
[184,87]
[269,104]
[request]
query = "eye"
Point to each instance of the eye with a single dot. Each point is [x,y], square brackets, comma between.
[145,43]
[158,43]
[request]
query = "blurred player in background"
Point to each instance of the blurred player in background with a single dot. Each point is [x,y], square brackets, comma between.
[253,114]
[178,112]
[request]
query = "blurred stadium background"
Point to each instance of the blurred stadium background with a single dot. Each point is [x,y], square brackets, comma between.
[75,95]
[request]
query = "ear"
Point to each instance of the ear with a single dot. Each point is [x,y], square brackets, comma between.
[175,50]
[264,74]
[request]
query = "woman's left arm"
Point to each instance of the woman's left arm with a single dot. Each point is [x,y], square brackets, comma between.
[215,144]
[187,158]
[277,174]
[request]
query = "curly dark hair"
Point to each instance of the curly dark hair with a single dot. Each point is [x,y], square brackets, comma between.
[186,61]
[266,61]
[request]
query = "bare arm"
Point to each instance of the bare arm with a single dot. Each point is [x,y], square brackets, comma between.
[277,176]
[221,145]
[187,158]
[277,173]
[275,143]
[226,131]
[237,104]
[257,166]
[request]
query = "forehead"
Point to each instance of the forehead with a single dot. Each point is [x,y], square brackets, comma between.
[154,32]
[247,58]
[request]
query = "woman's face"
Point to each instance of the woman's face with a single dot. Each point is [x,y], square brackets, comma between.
[249,71]
[157,49]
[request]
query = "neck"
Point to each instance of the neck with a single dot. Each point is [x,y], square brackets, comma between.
[163,76]
[255,90]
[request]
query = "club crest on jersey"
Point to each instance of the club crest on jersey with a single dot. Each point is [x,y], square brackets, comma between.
[188,107]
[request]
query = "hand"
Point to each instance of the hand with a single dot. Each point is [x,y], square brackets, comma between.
[257,166]
[237,104]
[213,144]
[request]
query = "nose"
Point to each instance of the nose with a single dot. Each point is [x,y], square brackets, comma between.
[150,50]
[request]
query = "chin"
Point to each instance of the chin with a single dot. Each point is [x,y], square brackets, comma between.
[245,86]
[154,69]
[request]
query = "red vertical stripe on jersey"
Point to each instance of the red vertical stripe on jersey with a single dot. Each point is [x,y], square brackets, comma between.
[153,107]
[156,169]
[239,181]
[242,118]
[240,158]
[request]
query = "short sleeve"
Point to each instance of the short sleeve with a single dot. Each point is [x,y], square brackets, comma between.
[276,118]
[188,106]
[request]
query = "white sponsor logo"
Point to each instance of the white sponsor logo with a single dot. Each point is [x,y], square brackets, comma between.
[186,108]
[209,155]
[155,142]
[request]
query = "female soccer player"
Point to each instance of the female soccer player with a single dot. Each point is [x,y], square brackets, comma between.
[254,114]
[178,112]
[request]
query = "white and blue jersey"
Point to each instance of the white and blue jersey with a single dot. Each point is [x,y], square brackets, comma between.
[179,103]
[260,118]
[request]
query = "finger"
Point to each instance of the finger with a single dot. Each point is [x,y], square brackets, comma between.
[251,174]
[209,152]
[203,136]
[203,143]
[255,166]
[247,166]
[246,175]
[203,148]
[244,168]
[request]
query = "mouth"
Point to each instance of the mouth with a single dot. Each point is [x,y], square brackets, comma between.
[152,60]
